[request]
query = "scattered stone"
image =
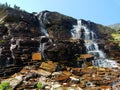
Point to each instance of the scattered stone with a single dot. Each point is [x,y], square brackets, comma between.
[42,72]
[49,66]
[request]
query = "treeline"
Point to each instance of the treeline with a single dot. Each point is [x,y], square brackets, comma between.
[6,5]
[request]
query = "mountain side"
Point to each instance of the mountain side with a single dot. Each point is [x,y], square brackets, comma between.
[51,51]
[57,25]
[23,34]
[115,26]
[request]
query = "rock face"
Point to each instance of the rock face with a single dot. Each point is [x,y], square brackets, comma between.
[23,33]
[48,35]
[17,32]
[57,25]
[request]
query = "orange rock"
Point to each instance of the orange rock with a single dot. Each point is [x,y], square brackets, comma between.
[24,71]
[84,56]
[49,66]
[86,71]
[62,78]
[66,73]
[105,87]
[37,56]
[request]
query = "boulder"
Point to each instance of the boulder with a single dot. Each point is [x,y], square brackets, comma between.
[42,72]
[49,66]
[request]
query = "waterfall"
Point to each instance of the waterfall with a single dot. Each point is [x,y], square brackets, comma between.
[42,46]
[42,20]
[42,17]
[81,31]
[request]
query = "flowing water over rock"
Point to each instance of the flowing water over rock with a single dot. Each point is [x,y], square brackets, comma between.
[89,36]
[43,20]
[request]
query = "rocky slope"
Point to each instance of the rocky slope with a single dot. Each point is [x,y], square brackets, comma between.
[59,26]
[17,29]
[21,35]
[24,34]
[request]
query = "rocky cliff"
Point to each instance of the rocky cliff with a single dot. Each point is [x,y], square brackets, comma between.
[57,25]
[23,33]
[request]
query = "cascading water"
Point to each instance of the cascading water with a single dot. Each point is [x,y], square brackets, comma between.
[42,20]
[81,31]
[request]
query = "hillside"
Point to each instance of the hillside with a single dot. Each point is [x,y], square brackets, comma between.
[115,26]
[51,51]
[22,27]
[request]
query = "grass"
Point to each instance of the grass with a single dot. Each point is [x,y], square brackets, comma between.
[116,37]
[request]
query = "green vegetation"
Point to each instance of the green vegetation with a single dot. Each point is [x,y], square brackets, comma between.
[6,5]
[3,41]
[115,36]
[105,30]
[4,86]
[39,85]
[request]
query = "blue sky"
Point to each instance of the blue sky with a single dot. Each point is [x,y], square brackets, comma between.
[105,12]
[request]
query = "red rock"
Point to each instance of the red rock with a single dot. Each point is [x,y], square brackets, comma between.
[62,78]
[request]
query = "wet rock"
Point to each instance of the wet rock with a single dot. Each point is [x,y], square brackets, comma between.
[65,50]
[59,27]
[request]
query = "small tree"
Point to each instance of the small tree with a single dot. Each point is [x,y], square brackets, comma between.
[6,4]
[16,7]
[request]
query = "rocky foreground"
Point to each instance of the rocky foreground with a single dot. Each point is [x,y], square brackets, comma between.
[50,75]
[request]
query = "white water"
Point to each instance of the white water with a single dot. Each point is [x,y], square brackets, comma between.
[43,20]
[12,47]
[42,46]
[81,31]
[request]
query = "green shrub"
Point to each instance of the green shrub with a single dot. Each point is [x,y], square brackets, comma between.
[4,86]
[39,85]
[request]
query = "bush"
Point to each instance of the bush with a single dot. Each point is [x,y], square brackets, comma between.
[39,85]
[4,86]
